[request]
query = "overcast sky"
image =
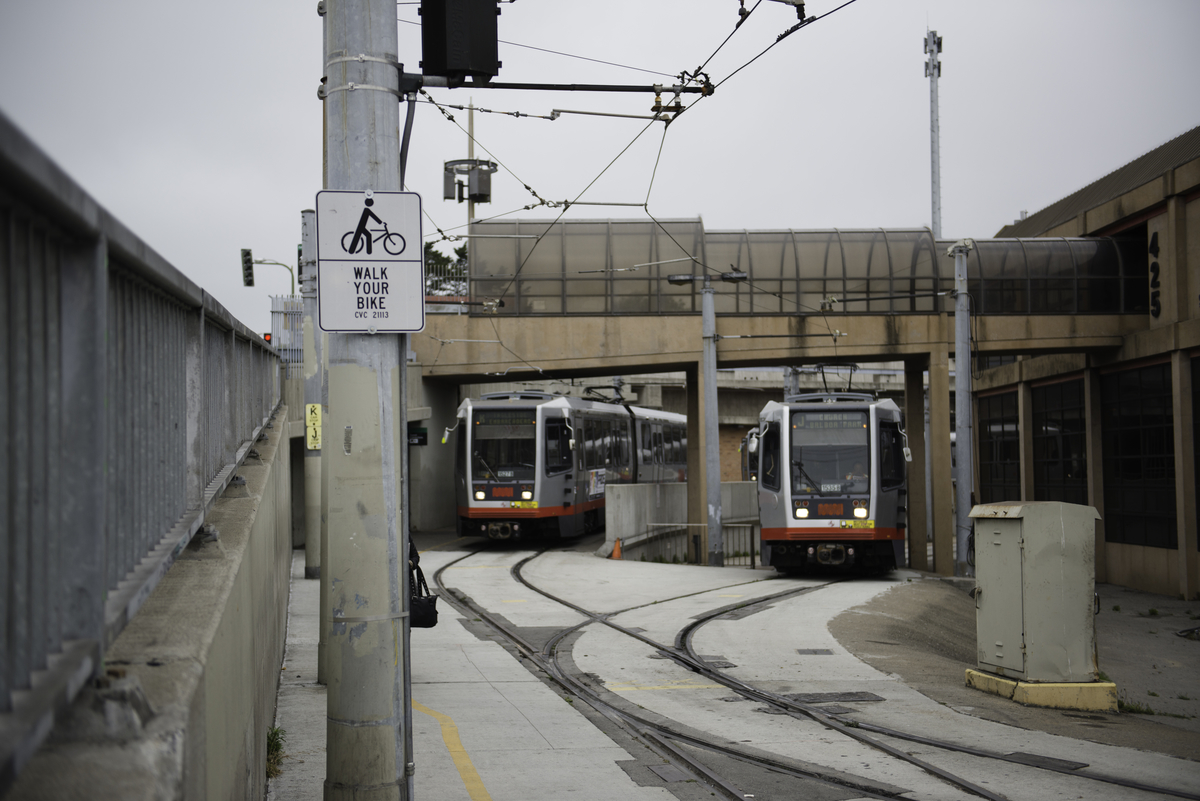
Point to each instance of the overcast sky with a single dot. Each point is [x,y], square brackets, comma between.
[198,124]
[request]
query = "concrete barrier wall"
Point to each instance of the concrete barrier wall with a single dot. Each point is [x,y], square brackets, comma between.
[189,693]
[629,509]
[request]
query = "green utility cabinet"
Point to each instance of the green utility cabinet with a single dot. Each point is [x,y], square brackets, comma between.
[1035,590]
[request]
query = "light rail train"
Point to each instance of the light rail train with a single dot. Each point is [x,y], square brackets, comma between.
[831,482]
[532,464]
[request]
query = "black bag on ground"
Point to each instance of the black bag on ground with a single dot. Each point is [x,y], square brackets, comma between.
[422,607]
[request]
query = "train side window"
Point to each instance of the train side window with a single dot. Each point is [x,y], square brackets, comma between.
[658,446]
[558,449]
[891,456]
[770,459]
[676,446]
[590,448]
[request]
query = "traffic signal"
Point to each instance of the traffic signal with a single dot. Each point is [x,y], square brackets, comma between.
[247,267]
[458,38]
[267,337]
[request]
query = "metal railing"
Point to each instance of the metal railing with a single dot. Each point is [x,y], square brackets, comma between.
[287,332]
[128,398]
[683,543]
[543,267]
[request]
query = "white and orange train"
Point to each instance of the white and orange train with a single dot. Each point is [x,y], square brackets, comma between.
[532,464]
[831,482]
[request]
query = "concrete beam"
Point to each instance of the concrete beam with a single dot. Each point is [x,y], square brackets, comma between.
[466,349]
[914,425]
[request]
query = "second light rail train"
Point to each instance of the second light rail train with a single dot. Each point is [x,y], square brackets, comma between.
[831,482]
[531,464]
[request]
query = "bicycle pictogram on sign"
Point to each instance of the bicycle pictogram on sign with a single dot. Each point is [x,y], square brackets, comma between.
[361,237]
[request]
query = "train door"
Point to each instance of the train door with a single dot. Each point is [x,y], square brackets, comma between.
[557,479]
[890,507]
[645,456]
[659,457]
[461,485]
[772,475]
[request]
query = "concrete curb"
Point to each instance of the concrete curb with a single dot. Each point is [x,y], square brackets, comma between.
[1096,696]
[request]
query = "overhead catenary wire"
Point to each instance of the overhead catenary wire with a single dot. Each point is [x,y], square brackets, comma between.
[565,206]
[556,52]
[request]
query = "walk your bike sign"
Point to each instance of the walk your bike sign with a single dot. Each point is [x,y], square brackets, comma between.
[370,262]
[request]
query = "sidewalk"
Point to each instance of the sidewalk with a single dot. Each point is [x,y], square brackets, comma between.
[476,710]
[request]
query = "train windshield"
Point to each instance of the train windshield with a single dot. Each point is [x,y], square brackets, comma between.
[830,451]
[503,444]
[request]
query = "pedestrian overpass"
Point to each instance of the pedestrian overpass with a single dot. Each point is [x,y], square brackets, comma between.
[593,298]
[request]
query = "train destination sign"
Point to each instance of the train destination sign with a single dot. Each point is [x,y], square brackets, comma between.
[370,262]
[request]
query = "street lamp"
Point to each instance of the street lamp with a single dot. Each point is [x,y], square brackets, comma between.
[712,458]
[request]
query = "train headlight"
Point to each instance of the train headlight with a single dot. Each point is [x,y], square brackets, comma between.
[860,512]
[801,512]
[527,495]
[479,495]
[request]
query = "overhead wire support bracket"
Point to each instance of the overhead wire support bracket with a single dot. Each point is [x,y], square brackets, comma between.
[705,89]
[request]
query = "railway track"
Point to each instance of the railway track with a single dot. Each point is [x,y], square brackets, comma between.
[678,742]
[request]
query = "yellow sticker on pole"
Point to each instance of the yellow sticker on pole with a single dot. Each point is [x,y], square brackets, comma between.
[312,426]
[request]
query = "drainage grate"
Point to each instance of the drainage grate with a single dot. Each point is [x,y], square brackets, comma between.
[670,773]
[831,698]
[718,662]
[814,651]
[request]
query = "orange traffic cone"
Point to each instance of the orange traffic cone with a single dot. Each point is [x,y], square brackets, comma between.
[616,554]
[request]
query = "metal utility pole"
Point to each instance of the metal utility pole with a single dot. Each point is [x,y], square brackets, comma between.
[470,156]
[964,459]
[933,71]
[314,400]
[366,564]
[712,455]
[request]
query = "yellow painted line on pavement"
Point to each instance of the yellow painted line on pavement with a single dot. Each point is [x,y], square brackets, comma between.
[466,769]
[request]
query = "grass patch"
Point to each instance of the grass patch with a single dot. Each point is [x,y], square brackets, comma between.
[1133,707]
[275,754]
[1151,692]
[1153,612]
[1100,674]
[1117,608]
[1183,697]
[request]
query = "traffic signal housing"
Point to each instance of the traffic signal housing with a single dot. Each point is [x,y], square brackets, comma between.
[247,267]
[459,39]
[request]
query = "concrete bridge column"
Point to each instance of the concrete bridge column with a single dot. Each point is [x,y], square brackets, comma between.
[1185,475]
[942,488]
[1025,438]
[1095,464]
[914,426]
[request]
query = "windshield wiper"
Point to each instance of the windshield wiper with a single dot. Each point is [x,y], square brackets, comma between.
[804,474]
[487,466]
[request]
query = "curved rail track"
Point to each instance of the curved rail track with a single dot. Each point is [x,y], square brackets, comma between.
[666,739]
